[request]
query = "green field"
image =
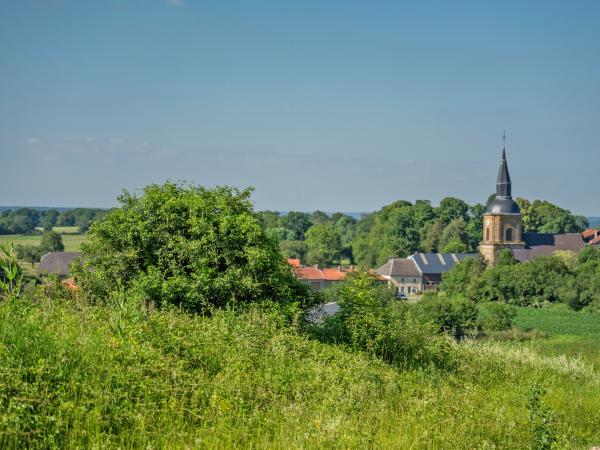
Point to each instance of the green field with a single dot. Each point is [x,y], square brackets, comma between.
[63,230]
[72,242]
[570,333]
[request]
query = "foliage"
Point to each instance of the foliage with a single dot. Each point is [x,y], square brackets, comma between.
[541,419]
[371,320]
[74,375]
[297,222]
[454,238]
[544,217]
[51,242]
[188,246]
[293,249]
[494,316]
[402,228]
[455,316]
[450,209]
[26,220]
[28,253]
[395,231]
[323,245]
[433,233]
[11,276]
[459,280]
[574,280]
[280,233]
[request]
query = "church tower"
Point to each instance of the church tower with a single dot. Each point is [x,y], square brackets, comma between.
[502,220]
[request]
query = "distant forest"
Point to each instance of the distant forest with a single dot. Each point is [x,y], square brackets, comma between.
[368,240]
[27,220]
[400,229]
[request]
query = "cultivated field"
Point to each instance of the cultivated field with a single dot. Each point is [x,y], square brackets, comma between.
[72,242]
[570,333]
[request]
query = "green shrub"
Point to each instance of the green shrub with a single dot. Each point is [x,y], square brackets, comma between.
[456,316]
[494,316]
[372,320]
[187,246]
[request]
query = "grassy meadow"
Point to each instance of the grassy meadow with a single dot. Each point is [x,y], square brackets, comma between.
[77,375]
[72,242]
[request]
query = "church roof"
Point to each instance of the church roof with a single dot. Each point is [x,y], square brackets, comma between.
[503,203]
[540,244]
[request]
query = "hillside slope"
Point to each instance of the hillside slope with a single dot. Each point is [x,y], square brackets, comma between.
[81,376]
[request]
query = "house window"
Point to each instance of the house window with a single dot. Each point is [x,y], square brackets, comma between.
[487,234]
[509,234]
[402,289]
[414,280]
[401,280]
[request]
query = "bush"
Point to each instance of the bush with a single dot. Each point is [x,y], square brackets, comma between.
[371,320]
[494,316]
[51,242]
[188,246]
[455,316]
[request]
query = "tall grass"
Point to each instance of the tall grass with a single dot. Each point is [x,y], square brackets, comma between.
[73,375]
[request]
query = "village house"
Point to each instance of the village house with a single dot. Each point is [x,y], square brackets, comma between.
[420,272]
[591,237]
[319,278]
[57,263]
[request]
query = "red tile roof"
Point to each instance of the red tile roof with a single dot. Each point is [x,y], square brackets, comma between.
[333,274]
[315,273]
[293,262]
[590,233]
[595,241]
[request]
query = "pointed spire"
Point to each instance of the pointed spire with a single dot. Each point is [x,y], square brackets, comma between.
[503,183]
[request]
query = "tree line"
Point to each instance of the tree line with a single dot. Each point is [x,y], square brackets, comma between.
[26,220]
[561,278]
[400,229]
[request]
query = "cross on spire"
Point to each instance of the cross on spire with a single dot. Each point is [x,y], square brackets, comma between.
[504,139]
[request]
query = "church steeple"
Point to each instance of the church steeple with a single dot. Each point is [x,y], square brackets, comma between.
[503,183]
[502,228]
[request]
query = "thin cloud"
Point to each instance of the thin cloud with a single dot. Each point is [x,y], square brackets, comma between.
[175,2]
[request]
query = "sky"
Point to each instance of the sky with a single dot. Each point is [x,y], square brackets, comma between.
[330,105]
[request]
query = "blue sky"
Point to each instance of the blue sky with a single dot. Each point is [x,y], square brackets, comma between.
[332,105]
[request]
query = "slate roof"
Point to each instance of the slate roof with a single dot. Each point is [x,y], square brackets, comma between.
[540,244]
[503,183]
[503,203]
[57,262]
[435,263]
[399,267]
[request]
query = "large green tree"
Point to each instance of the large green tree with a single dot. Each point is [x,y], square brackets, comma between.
[188,246]
[298,222]
[323,245]
[51,242]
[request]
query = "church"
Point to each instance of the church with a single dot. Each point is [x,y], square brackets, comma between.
[502,228]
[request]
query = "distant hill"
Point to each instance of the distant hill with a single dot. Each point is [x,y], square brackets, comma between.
[594,221]
[37,208]
[42,208]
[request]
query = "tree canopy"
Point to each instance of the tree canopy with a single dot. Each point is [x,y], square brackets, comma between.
[188,246]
